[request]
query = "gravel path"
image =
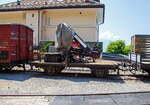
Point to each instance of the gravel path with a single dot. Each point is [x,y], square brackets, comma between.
[37,83]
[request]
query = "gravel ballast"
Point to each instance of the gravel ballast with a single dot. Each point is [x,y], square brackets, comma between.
[37,83]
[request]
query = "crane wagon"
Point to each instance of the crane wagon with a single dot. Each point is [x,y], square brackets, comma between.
[72,51]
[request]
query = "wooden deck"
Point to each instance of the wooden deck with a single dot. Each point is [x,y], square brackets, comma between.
[146,63]
[98,63]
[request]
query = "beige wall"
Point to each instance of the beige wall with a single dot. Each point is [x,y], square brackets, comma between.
[12,17]
[82,21]
[22,18]
[32,22]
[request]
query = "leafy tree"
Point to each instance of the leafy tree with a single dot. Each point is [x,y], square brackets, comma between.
[116,47]
[127,50]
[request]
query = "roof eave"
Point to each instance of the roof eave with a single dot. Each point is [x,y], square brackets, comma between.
[59,7]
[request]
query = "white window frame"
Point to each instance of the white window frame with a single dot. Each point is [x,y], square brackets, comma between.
[48,21]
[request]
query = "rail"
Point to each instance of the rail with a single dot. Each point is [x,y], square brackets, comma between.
[97,94]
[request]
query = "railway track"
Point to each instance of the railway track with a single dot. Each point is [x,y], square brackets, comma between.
[96,94]
[109,77]
[65,74]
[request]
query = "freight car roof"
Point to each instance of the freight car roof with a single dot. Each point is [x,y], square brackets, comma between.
[17,24]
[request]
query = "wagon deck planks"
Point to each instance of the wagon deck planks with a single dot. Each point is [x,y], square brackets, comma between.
[100,63]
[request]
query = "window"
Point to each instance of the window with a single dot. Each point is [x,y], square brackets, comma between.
[47,20]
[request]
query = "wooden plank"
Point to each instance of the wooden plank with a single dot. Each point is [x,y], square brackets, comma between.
[145,60]
[142,51]
[146,63]
[143,41]
[146,56]
[102,63]
[142,36]
[142,45]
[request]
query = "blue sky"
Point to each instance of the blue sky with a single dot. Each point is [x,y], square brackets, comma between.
[6,1]
[123,18]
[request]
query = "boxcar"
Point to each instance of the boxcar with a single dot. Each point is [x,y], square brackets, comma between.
[140,44]
[16,45]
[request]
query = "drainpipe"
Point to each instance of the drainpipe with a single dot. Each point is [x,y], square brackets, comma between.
[39,56]
[38,27]
[103,18]
[99,30]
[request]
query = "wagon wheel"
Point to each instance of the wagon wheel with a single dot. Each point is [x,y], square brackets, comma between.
[59,69]
[51,70]
[8,69]
[99,72]
[1,68]
[148,72]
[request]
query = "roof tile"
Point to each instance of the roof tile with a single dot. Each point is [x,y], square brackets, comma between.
[49,3]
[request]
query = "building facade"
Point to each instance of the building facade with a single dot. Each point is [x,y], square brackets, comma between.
[43,16]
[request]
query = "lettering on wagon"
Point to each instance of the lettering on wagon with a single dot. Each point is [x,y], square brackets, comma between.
[2,47]
[14,38]
[4,43]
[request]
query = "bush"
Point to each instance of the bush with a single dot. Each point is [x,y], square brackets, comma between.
[43,48]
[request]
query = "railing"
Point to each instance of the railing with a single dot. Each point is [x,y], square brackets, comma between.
[135,59]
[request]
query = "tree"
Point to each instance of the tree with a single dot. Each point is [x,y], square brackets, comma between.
[127,50]
[118,47]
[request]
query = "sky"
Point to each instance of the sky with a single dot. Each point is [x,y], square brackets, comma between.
[6,1]
[123,19]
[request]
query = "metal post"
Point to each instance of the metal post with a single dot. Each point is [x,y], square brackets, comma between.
[131,45]
[38,27]
[134,44]
[136,62]
[130,57]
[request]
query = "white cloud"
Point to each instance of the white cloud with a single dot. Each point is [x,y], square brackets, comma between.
[107,35]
